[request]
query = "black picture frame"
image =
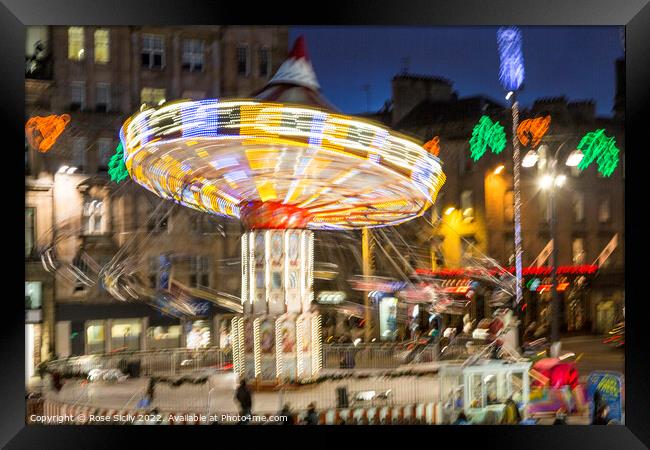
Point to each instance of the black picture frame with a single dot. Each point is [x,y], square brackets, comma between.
[15,15]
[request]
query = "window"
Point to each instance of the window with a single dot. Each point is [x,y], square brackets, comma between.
[509,207]
[157,222]
[204,224]
[95,330]
[243,64]
[164,337]
[33,294]
[604,213]
[604,242]
[79,152]
[578,206]
[104,148]
[153,271]
[30,231]
[93,215]
[76,43]
[81,264]
[102,46]
[77,95]
[153,51]
[265,61]
[193,55]
[578,250]
[103,100]
[125,334]
[200,271]
[152,96]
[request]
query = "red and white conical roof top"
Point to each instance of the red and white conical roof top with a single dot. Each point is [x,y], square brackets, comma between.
[297,68]
[295,81]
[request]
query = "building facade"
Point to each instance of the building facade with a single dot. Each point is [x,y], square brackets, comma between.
[100,76]
[473,216]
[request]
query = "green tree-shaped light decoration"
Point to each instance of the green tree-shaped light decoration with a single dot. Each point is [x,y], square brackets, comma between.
[596,146]
[487,134]
[116,167]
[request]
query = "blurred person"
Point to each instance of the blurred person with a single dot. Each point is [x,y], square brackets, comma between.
[312,415]
[461,419]
[287,414]
[151,388]
[602,415]
[433,334]
[56,381]
[511,414]
[458,404]
[243,396]
[595,406]
[560,417]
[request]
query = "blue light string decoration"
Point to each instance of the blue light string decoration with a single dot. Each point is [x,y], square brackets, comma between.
[511,72]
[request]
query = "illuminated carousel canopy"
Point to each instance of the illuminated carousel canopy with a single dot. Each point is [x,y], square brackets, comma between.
[285,159]
[249,159]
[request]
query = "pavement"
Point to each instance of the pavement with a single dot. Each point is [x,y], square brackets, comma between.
[595,354]
[217,396]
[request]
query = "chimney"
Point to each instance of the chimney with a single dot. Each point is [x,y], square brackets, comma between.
[411,90]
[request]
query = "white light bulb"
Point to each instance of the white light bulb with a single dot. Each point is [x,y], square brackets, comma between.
[530,159]
[546,181]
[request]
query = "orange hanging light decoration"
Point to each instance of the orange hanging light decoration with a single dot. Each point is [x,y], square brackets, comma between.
[42,132]
[531,131]
[433,146]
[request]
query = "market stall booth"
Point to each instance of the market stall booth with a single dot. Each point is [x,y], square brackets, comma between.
[481,389]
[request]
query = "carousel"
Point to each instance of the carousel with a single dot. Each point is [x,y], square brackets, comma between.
[285,163]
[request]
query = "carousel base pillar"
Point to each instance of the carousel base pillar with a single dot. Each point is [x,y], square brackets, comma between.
[302,364]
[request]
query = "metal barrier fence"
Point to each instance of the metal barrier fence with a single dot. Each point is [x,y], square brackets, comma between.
[373,356]
[367,392]
[126,396]
[169,362]
[178,362]
[460,348]
[216,398]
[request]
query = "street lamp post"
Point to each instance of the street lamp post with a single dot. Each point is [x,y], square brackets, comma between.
[552,181]
[555,299]
[511,76]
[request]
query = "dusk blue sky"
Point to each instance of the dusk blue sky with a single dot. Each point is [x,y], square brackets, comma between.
[577,62]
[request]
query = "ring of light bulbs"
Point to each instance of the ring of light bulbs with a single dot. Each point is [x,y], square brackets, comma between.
[215,156]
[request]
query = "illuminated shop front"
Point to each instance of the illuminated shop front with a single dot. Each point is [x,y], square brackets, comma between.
[161,337]
[33,327]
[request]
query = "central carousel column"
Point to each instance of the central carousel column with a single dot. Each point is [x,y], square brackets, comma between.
[278,337]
